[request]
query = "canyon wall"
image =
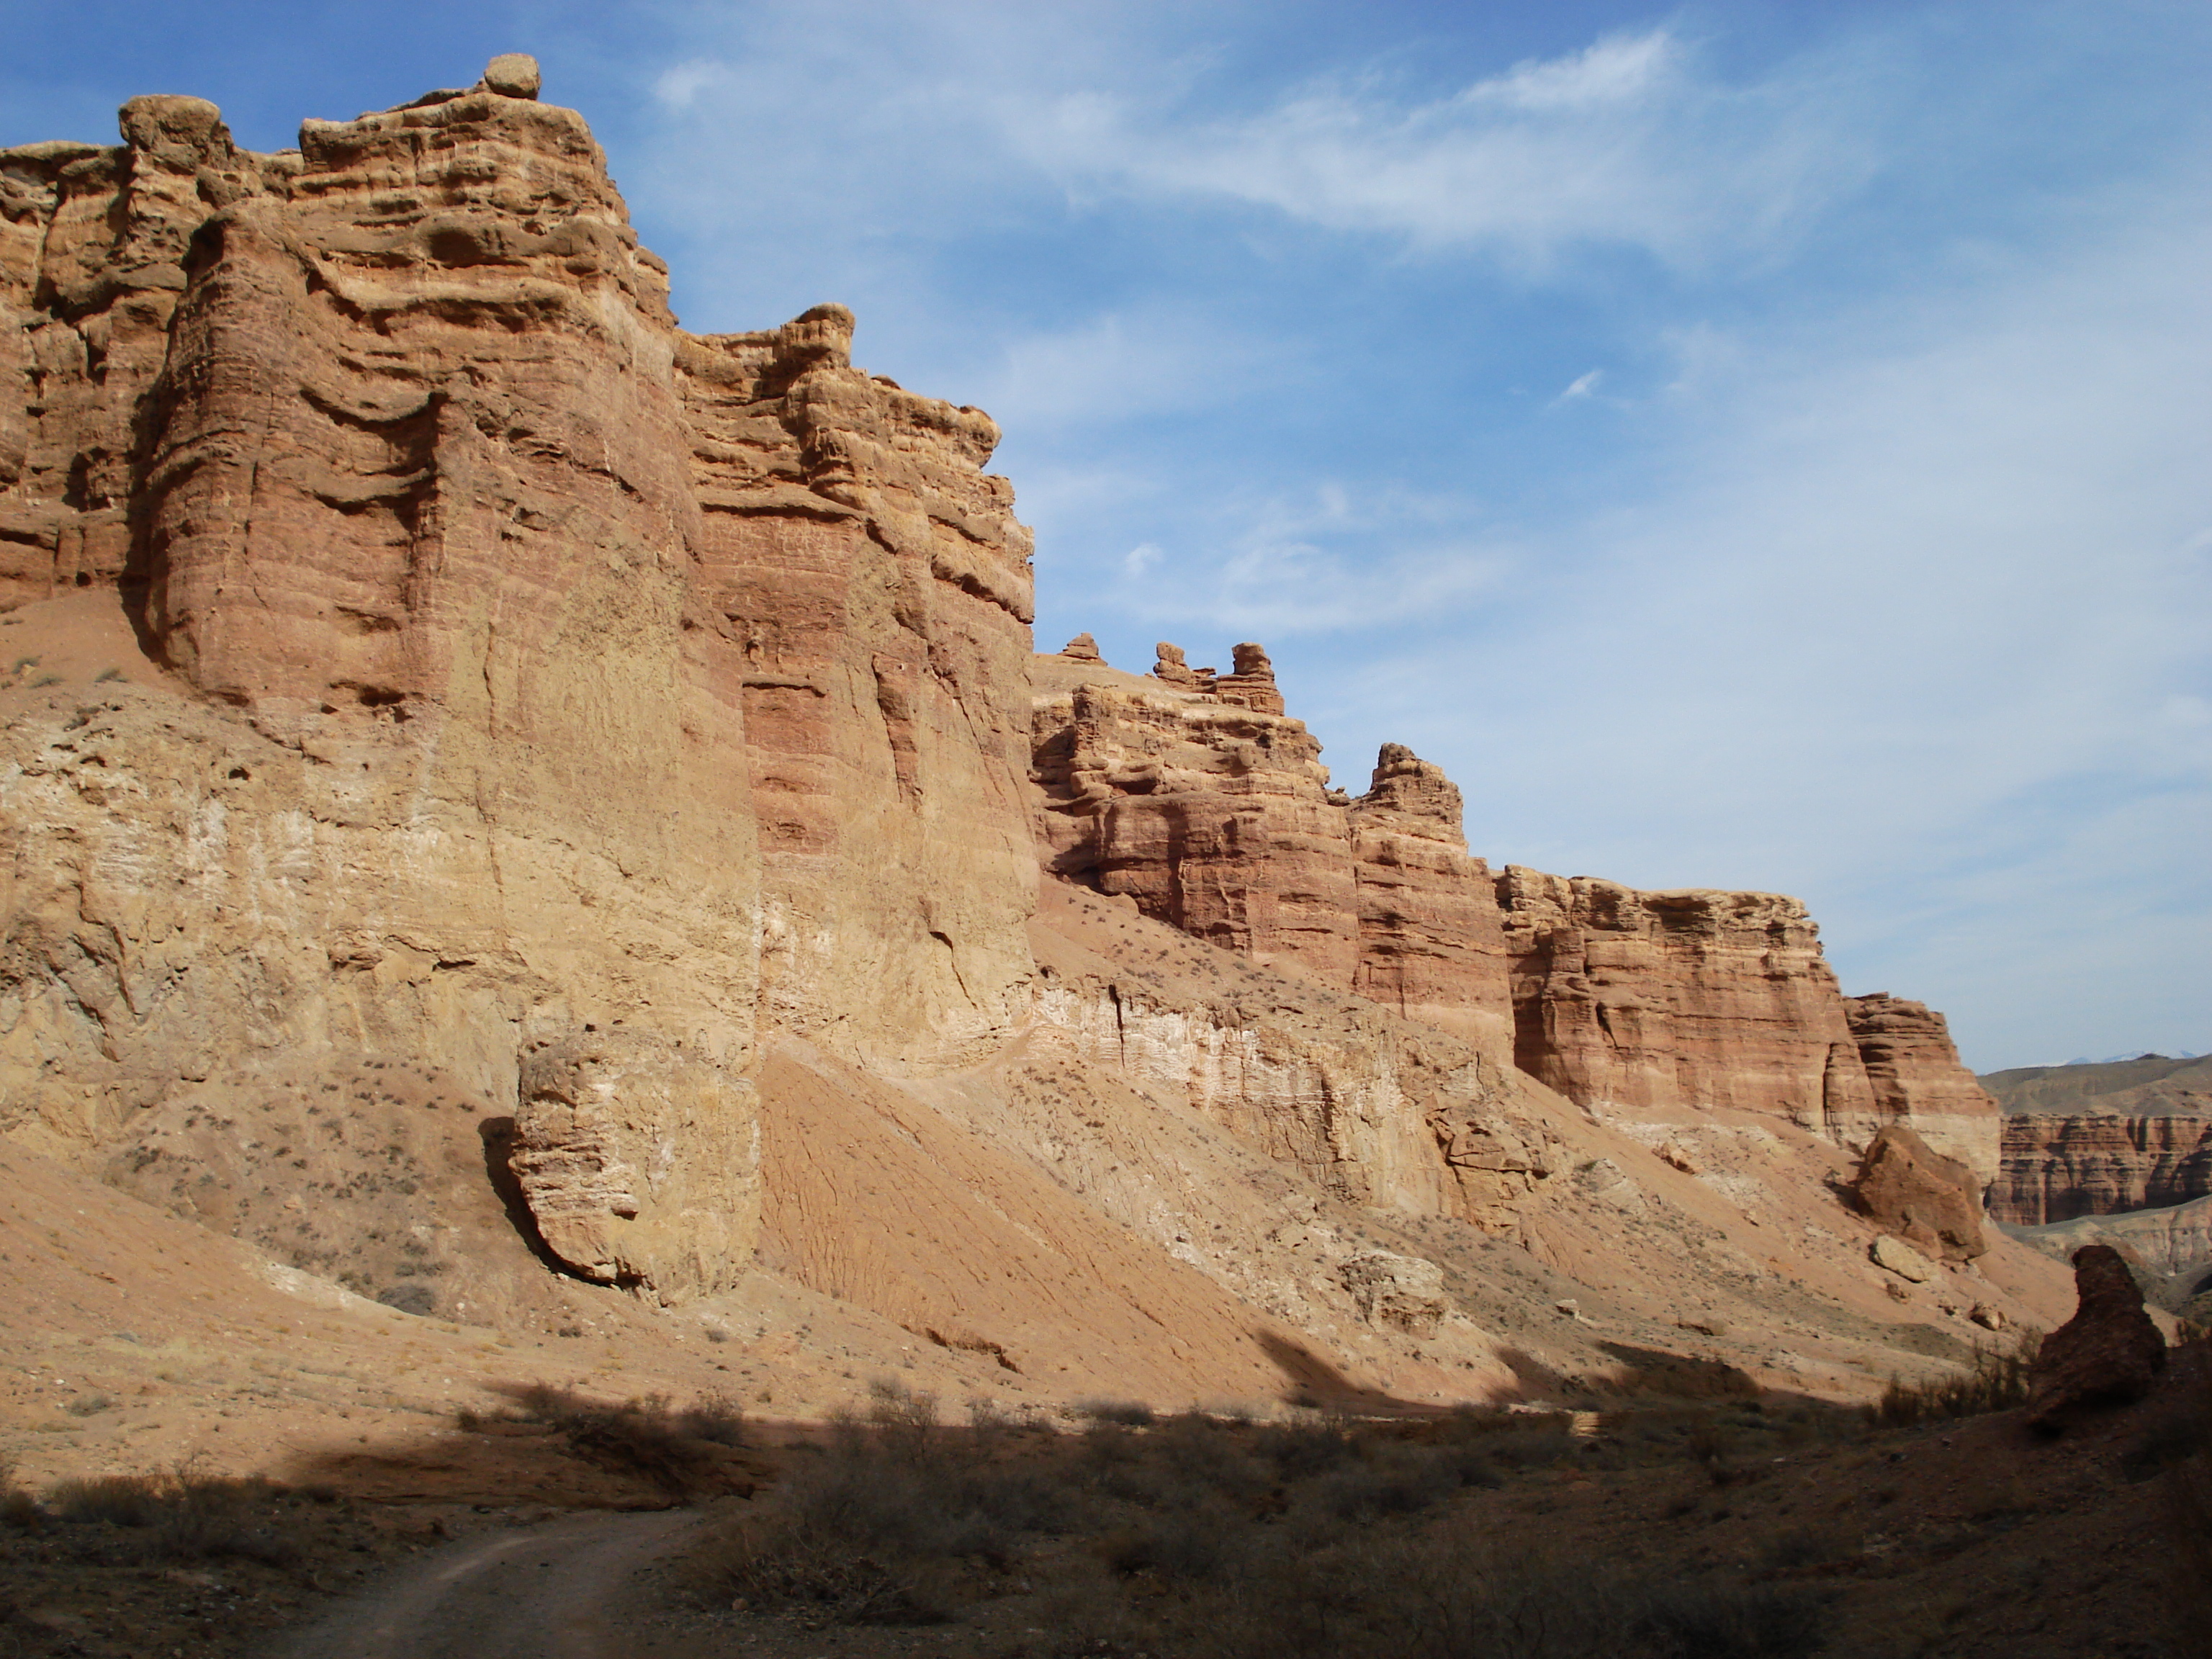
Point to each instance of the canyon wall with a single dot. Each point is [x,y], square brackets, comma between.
[436,573]
[2096,1139]
[1209,807]
[875,587]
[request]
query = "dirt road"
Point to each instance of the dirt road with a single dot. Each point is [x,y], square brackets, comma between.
[537,1593]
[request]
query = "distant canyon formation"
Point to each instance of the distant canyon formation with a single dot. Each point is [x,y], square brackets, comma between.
[1196,796]
[2099,1139]
[578,707]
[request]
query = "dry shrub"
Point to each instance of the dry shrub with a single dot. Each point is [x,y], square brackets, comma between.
[2186,1499]
[185,1514]
[1306,1446]
[1316,1536]
[1129,1414]
[119,1500]
[18,1508]
[874,1530]
[1458,1595]
[1996,1383]
[649,1436]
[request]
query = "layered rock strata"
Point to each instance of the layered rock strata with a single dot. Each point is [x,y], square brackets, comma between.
[2099,1139]
[1913,1069]
[873,586]
[1216,816]
[1212,815]
[1636,1001]
[2058,1168]
[496,633]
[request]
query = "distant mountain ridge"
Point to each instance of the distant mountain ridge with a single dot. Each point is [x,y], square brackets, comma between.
[2147,1085]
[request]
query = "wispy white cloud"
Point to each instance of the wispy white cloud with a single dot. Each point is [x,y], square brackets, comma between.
[1297,565]
[1631,141]
[1581,386]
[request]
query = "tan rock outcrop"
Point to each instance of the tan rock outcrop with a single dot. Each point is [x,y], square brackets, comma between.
[640,1165]
[1389,1289]
[1901,1258]
[1172,667]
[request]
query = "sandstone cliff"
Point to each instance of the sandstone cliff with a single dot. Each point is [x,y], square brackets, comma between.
[2097,1139]
[437,572]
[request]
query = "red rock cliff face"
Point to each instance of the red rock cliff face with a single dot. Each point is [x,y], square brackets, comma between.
[2057,1168]
[2099,1138]
[1215,816]
[1431,942]
[1635,1000]
[876,587]
[1917,1078]
[1647,1001]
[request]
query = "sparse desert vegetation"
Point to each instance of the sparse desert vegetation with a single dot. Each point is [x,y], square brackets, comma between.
[1996,1382]
[1202,1535]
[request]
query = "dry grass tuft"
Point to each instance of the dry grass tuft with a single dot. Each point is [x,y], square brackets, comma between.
[1997,1383]
[185,1514]
[18,1508]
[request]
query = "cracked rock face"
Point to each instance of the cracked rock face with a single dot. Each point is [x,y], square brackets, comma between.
[1929,1201]
[1399,1291]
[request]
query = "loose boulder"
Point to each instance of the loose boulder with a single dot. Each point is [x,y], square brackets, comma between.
[1901,1258]
[1931,1202]
[2108,1354]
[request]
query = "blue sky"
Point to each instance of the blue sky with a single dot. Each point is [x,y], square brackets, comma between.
[1748,444]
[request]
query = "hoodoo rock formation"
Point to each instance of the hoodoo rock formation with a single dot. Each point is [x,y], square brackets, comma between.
[2108,1354]
[487,771]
